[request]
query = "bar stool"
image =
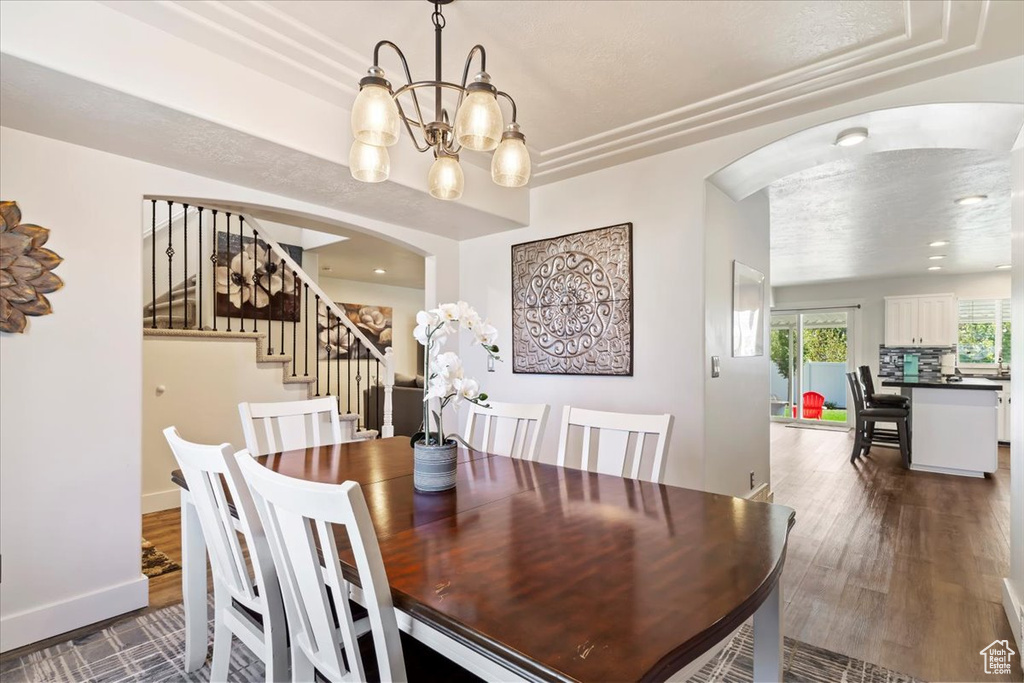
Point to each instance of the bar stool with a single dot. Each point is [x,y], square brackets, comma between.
[865,432]
[874,400]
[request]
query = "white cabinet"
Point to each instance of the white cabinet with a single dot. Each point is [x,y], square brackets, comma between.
[928,320]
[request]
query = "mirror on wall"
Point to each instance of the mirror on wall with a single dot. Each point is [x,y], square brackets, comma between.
[747,311]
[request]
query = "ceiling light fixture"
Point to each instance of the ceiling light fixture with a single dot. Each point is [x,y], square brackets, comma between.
[940,243]
[934,267]
[379,271]
[970,200]
[851,137]
[1004,266]
[937,257]
[378,116]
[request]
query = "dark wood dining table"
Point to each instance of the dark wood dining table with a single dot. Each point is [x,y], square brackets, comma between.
[531,571]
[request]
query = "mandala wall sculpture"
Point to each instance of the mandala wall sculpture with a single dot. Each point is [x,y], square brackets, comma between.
[572,303]
[25,270]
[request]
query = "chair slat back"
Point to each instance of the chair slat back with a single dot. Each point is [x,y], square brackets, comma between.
[867,380]
[290,425]
[509,429]
[856,390]
[299,517]
[613,431]
[213,476]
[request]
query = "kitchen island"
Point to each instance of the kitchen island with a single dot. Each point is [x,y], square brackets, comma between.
[953,424]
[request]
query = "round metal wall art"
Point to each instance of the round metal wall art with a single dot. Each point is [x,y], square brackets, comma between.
[25,270]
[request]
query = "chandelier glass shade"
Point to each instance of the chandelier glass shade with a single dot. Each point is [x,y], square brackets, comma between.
[478,125]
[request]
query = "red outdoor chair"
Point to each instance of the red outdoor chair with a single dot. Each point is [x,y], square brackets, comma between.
[813,403]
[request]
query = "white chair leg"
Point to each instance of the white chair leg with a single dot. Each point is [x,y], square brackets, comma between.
[193,585]
[302,668]
[221,638]
[276,653]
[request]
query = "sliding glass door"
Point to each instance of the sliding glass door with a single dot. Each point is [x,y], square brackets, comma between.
[811,352]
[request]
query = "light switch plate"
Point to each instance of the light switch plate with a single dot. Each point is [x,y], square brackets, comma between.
[716,366]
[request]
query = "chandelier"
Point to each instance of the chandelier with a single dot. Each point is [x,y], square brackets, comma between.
[378,116]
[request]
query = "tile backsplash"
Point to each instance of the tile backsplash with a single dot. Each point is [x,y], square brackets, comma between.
[890,360]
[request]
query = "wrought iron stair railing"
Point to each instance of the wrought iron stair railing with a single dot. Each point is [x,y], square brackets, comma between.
[248,283]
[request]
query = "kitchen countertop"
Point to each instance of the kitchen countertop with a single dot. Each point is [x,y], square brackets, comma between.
[967,383]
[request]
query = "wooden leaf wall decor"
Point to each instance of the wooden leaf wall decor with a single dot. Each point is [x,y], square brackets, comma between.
[25,270]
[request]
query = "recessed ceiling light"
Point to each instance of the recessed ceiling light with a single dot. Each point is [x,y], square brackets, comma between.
[1004,266]
[971,199]
[851,137]
[940,243]
[379,271]
[937,257]
[934,267]
[326,269]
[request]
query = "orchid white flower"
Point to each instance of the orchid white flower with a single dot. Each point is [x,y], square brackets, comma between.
[439,387]
[466,388]
[448,365]
[486,334]
[449,312]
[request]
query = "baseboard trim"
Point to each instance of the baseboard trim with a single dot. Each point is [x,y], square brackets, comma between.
[1014,607]
[762,493]
[161,500]
[46,621]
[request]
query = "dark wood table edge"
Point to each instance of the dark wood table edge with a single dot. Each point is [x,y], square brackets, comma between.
[687,652]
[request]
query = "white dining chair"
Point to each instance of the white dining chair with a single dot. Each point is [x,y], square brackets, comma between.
[300,517]
[509,429]
[290,425]
[614,431]
[247,605]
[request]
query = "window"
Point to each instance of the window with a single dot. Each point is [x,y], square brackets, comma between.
[984,331]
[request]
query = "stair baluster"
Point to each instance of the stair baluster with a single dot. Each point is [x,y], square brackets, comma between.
[255,281]
[213,262]
[305,315]
[170,263]
[230,275]
[284,274]
[317,359]
[241,276]
[328,347]
[199,263]
[270,295]
[348,351]
[152,241]
[184,257]
[369,388]
[377,403]
[296,294]
[337,361]
[359,378]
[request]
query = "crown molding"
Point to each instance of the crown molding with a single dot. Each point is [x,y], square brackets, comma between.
[269,40]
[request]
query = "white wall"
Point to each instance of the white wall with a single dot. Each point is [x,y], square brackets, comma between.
[404,301]
[196,386]
[663,196]
[870,320]
[736,434]
[71,424]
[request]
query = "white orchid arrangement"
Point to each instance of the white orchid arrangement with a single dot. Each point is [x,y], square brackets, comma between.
[444,379]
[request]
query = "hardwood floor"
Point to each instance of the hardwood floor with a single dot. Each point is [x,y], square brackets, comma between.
[903,569]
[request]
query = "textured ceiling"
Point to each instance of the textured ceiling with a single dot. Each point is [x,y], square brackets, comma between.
[875,215]
[598,83]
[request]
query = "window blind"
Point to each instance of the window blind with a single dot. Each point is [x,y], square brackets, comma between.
[978,310]
[1006,309]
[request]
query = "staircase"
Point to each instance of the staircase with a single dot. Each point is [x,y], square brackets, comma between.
[215,274]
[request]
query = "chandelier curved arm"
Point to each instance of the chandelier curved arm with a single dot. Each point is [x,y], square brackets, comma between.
[510,101]
[408,76]
[469,59]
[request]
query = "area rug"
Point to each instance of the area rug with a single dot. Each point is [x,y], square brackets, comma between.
[151,648]
[155,563]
